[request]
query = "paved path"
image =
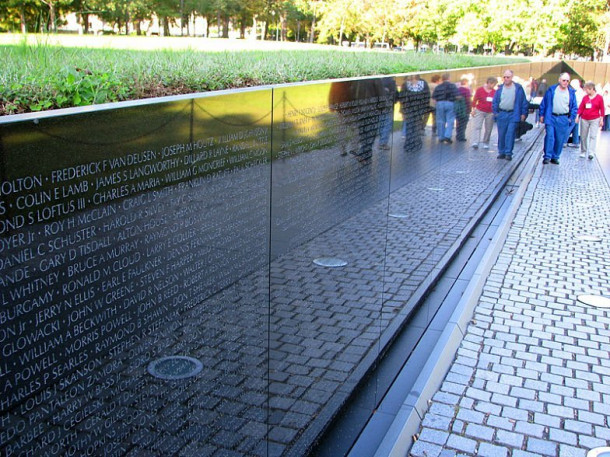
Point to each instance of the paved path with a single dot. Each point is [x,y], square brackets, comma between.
[532,375]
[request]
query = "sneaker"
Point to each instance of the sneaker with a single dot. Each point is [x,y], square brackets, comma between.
[582,156]
[545,161]
[509,158]
[448,141]
[591,157]
[485,146]
[501,156]
[555,161]
[475,146]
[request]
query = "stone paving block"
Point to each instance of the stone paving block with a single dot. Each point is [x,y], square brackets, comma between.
[480,432]
[437,422]
[478,394]
[591,418]
[511,439]
[458,387]
[591,442]
[458,427]
[490,450]
[529,429]
[424,449]
[488,408]
[439,437]
[461,443]
[571,451]
[504,400]
[500,422]
[467,403]
[542,447]
[563,436]
[520,453]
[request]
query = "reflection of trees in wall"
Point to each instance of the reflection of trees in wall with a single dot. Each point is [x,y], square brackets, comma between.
[523,26]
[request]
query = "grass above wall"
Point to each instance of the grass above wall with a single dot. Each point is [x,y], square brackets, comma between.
[39,75]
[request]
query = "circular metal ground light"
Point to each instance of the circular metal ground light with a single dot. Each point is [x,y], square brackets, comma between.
[595,300]
[331,262]
[399,215]
[436,189]
[175,367]
[587,238]
[599,452]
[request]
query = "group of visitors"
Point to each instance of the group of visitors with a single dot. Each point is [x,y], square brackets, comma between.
[570,113]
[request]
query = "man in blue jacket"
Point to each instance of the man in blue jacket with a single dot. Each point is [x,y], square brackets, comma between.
[509,106]
[558,113]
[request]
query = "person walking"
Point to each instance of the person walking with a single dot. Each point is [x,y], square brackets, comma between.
[573,140]
[434,81]
[606,97]
[445,94]
[509,106]
[591,114]
[482,113]
[557,112]
[463,101]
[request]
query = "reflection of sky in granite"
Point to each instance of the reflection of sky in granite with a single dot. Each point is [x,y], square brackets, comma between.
[282,341]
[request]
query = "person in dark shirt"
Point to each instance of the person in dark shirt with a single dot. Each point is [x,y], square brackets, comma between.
[444,95]
[414,100]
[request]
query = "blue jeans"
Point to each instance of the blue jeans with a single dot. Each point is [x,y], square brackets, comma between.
[445,117]
[507,128]
[557,131]
[575,133]
[386,123]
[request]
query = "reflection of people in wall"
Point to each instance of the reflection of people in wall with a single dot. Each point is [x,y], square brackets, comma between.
[359,103]
[414,100]
[445,94]
[434,81]
[557,112]
[463,114]
[386,123]
[370,95]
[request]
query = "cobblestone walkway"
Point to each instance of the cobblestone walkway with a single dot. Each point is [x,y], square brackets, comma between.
[532,375]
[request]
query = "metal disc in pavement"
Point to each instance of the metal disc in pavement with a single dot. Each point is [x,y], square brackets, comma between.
[599,452]
[175,367]
[331,262]
[587,238]
[399,215]
[595,300]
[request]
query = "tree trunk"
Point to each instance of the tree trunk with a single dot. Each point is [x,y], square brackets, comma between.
[225,26]
[24,25]
[52,17]
[284,25]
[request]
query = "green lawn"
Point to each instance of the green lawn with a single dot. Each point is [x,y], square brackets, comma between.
[48,72]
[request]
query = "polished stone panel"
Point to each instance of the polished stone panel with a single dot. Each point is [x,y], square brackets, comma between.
[131,235]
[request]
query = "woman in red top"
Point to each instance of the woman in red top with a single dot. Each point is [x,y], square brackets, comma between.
[482,114]
[591,116]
